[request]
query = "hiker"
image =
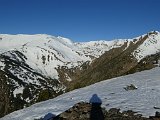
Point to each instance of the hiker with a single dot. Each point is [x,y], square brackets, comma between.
[96,110]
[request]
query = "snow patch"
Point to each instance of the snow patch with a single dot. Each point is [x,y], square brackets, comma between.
[2,65]
[68,78]
[18,91]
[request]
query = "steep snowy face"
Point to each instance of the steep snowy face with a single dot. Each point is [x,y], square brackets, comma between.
[150,46]
[46,55]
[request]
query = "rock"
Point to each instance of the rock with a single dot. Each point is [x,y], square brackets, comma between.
[130,87]
[156,107]
[157,114]
[114,110]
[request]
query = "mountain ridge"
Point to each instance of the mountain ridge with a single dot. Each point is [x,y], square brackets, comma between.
[120,61]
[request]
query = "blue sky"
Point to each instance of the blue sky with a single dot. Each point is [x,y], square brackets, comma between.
[80,20]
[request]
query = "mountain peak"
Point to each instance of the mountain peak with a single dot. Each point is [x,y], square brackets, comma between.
[65,40]
[153,32]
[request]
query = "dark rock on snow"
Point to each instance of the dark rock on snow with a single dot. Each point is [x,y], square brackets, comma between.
[83,111]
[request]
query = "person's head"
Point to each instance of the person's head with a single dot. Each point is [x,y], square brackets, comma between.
[95,99]
[94,95]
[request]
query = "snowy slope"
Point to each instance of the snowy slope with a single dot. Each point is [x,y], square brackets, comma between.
[112,93]
[150,46]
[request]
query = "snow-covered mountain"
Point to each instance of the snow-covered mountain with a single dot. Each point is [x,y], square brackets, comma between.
[143,100]
[37,67]
[44,53]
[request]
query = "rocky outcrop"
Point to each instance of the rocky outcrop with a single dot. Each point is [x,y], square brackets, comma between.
[4,95]
[84,111]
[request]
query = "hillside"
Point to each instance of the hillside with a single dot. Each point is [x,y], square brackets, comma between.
[113,93]
[138,54]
